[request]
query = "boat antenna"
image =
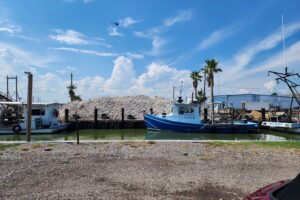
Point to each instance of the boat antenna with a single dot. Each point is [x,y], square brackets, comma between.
[174,92]
[181,87]
[283,42]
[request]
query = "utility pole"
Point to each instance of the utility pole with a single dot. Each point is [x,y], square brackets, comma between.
[174,92]
[7,86]
[29,106]
[17,89]
[71,79]
[7,91]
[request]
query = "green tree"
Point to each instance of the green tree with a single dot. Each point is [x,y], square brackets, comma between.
[196,77]
[274,94]
[72,94]
[201,97]
[210,69]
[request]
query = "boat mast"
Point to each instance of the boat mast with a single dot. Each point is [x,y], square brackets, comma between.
[283,42]
[286,76]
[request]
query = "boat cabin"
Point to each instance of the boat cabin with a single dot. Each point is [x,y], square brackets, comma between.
[43,115]
[181,112]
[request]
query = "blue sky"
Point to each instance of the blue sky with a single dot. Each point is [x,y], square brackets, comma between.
[155,46]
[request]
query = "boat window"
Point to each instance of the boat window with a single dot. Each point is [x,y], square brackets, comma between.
[274,119]
[38,112]
[185,109]
[180,110]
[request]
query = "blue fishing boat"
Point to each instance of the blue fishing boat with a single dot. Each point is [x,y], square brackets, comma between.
[186,117]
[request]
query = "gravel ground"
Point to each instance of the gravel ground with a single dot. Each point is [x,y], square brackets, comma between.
[141,170]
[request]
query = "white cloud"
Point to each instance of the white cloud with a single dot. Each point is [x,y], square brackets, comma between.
[14,31]
[128,21]
[123,74]
[113,31]
[157,80]
[15,61]
[215,37]
[25,58]
[101,42]
[270,85]
[180,17]
[140,34]
[154,33]
[242,59]
[70,37]
[85,51]
[276,61]
[254,78]
[67,69]
[134,55]
[88,87]
[157,44]
[11,29]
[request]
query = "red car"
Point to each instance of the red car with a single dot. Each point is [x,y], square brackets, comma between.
[281,190]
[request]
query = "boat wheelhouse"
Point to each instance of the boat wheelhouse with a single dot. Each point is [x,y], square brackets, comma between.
[44,119]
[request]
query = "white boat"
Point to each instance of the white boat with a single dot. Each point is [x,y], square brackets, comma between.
[44,119]
[276,125]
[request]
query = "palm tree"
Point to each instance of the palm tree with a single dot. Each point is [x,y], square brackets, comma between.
[195,76]
[201,97]
[210,69]
[73,97]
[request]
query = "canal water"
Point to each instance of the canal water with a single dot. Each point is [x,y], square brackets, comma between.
[142,134]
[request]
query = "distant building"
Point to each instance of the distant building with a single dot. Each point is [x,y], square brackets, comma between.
[255,101]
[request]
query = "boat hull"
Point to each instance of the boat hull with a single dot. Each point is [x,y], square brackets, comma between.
[53,129]
[282,126]
[160,124]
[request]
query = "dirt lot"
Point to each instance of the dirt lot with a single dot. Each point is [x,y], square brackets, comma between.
[141,170]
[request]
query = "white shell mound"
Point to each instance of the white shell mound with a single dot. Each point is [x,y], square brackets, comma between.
[112,106]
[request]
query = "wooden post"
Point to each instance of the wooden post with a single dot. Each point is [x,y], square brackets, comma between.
[122,113]
[29,107]
[77,128]
[205,114]
[95,118]
[66,115]
[151,111]
[263,114]
[232,115]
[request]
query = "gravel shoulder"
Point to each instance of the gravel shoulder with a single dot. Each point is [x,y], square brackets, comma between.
[141,170]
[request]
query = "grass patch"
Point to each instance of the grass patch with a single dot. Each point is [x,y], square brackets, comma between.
[51,145]
[276,145]
[206,157]
[35,146]
[6,146]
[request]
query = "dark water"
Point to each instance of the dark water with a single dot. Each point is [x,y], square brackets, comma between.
[141,134]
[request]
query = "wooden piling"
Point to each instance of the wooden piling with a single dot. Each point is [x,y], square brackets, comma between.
[151,111]
[95,118]
[66,115]
[29,107]
[263,114]
[205,114]
[122,114]
[232,115]
[77,128]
